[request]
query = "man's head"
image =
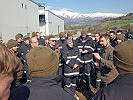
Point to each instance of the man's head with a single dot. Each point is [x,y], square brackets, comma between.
[46,40]
[97,36]
[62,36]
[12,45]
[70,43]
[8,65]
[69,36]
[34,42]
[89,34]
[42,62]
[119,32]
[120,38]
[38,35]
[123,57]
[34,34]
[83,34]
[112,35]
[19,37]
[104,40]
[26,39]
[52,41]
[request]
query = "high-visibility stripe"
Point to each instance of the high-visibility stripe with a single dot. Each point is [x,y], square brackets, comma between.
[87,74]
[87,61]
[67,61]
[80,46]
[80,60]
[89,47]
[98,48]
[60,64]
[73,84]
[70,85]
[84,41]
[60,47]
[98,80]
[71,74]
[71,57]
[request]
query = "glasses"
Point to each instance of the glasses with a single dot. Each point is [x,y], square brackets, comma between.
[53,40]
[35,42]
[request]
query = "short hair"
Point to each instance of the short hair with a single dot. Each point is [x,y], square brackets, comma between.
[97,33]
[9,63]
[34,34]
[119,31]
[51,36]
[112,32]
[32,39]
[106,36]
[20,34]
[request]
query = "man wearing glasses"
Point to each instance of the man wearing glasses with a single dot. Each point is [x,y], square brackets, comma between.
[34,42]
[52,43]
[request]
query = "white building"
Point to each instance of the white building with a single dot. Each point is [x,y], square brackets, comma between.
[52,24]
[18,16]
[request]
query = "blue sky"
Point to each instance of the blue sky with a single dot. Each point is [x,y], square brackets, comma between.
[90,6]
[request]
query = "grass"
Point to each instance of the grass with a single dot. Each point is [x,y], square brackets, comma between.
[123,22]
[115,24]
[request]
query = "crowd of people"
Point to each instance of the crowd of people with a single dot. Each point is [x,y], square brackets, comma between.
[33,68]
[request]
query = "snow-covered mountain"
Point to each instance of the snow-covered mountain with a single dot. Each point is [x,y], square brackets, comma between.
[72,18]
[68,14]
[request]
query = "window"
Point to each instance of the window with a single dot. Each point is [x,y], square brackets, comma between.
[42,18]
[22,5]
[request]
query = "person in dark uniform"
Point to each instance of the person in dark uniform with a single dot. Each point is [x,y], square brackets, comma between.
[99,48]
[70,36]
[24,49]
[97,73]
[71,66]
[86,47]
[40,40]
[113,39]
[122,87]
[52,44]
[62,41]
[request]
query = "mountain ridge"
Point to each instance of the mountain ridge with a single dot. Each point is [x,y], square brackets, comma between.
[73,18]
[69,14]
